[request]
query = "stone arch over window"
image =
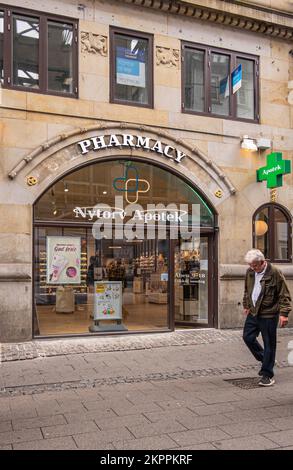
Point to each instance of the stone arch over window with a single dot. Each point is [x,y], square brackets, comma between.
[60,155]
[272,232]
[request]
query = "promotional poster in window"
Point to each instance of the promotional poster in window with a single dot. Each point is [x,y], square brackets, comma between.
[63,260]
[130,67]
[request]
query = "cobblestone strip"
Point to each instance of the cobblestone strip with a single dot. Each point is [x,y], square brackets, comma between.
[158,376]
[49,348]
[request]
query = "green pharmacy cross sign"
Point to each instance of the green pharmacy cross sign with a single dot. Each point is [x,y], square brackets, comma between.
[274,171]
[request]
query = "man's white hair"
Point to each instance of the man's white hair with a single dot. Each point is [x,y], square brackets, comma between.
[254,255]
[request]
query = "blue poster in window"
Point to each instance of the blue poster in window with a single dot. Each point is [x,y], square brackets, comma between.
[237,78]
[224,87]
[130,67]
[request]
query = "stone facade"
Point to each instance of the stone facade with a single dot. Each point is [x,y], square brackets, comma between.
[38,133]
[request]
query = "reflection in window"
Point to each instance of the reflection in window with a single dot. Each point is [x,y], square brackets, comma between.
[73,191]
[25,51]
[272,232]
[220,86]
[131,69]
[194,80]
[281,235]
[60,57]
[261,232]
[245,94]
[1,46]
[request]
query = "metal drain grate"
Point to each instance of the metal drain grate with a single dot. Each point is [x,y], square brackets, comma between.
[246,383]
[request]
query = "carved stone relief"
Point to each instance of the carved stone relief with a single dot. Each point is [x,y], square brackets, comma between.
[94,43]
[167,56]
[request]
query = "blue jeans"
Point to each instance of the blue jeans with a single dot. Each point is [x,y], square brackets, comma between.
[268,329]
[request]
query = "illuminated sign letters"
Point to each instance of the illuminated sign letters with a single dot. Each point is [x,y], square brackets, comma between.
[132,141]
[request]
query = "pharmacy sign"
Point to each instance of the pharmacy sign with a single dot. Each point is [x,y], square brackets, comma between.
[273,172]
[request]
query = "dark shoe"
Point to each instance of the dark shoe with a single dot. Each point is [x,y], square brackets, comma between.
[266,382]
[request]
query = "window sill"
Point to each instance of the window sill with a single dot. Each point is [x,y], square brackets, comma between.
[40,92]
[220,116]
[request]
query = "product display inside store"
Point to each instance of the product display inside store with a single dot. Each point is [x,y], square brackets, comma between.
[141,267]
[85,284]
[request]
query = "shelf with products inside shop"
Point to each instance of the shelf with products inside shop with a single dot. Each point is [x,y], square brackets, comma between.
[157,288]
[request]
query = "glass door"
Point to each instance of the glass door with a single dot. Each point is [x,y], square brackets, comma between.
[192,271]
[142,267]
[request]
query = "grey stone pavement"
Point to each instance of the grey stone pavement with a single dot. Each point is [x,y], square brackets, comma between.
[166,391]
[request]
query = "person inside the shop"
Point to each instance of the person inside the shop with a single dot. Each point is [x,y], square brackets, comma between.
[90,282]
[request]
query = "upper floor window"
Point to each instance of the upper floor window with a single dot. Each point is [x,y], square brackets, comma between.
[207,84]
[1,45]
[131,68]
[272,232]
[38,52]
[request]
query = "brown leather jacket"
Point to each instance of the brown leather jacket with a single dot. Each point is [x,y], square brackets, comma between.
[274,298]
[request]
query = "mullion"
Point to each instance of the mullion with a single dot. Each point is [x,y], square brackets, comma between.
[207,85]
[43,54]
[233,101]
[7,47]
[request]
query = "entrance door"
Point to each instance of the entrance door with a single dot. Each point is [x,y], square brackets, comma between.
[192,280]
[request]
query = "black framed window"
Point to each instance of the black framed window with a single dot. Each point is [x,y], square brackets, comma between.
[38,52]
[272,232]
[207,83]
[1,46]
[131,68]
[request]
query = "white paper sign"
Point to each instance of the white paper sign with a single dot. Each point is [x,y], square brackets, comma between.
[63,260]
[108,300]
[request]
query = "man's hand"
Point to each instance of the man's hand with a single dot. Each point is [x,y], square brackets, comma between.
[283,321]
[246,311]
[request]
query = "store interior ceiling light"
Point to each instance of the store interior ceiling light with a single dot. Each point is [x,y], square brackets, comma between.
[248,144]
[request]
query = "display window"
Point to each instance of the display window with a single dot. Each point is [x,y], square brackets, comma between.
[122,246]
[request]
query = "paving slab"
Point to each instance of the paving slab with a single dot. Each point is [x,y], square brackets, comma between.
[89,416]
[187,438]
[161,427]
[248,428]
[38,422]
[13,437]
[120,421]
[256,442]
[69,429]
[206,410]
[282,438]
[96,440]
[5,426]
[64,443]
[146,443]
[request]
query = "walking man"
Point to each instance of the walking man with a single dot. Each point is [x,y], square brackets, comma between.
[266,303]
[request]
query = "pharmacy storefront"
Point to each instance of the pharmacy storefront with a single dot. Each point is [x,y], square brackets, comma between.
[124,234]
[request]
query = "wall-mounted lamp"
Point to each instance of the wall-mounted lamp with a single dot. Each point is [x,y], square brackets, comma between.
[248,144]
[263,144]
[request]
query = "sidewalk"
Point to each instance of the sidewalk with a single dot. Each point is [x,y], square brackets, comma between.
[155,391]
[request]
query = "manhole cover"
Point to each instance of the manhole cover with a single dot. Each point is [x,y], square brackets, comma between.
[247,382]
